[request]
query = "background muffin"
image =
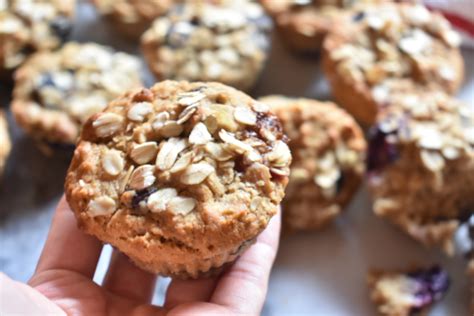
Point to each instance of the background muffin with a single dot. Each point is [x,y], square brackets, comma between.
[56,92]
[203,41]
[390,48]
[5,144]
[328,150]
[31,25]
[421,166]
[181,177]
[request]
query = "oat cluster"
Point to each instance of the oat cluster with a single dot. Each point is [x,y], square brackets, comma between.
[56,92]
[201,41]
[387,43]
[32,25]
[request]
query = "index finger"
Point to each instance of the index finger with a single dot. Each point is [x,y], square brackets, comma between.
[244,287]
[67,247]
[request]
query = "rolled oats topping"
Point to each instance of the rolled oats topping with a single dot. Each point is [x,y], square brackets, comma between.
[192,185]
[56,92]
[421,165]
[32,25]
[328,150]
[225,41]
[5,143]
[390,48]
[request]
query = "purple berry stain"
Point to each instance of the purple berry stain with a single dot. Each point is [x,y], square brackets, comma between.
[433,283]
[381,152]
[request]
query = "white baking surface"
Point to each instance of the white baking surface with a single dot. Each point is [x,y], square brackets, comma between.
[320,273]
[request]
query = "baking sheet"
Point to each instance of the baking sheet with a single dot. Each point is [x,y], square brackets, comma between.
[320,273]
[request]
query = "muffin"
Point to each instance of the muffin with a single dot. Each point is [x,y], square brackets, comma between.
[181,177]
[27,26]
[5,145]
[225,42]
[303,24]
[56,92]
[386,49]
[421,166]
[407,293]
[132,17]
[328,150]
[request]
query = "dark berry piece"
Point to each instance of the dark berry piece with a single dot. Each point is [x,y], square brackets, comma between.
[62,27]
[433,283]
[358,16]
[141,197]
[381,152]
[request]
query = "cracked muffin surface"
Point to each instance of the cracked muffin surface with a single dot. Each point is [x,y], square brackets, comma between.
[56,92]
[27,26]
[390,48]
[181,177]
[421,166]
[224,41]
[328,150]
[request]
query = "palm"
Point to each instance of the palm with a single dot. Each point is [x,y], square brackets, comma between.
[64,275]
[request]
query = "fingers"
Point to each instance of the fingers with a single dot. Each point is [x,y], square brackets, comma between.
[125,279]
[243,288]
[186,291]
[67,247]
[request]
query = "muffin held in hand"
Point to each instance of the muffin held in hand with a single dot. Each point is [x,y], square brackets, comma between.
[386,49]
[303,24]
[132,17]
[407,293]
[181,177]
[56,92]
[5,144]
[225,41]
[328,150]
[27,26]
[421,166]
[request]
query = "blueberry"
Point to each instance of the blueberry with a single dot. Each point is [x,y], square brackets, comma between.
[433,283]
[358,16]
[142,196]
[381,152]
[61,26]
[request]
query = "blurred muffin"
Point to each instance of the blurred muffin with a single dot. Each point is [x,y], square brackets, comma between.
[27,26]
[390,48]
[56,92]
[5,145]
[181,177]
[421,166]
[328,150]
[303,24]
[407,293]
[225,42]
[132,17]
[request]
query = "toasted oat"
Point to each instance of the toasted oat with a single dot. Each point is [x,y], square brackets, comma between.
[159,120]
[112,162]
[182,162]
[107,124]
[234,143]
[144,153]
[169,153]
[218,152]
[186,114]
[158,201]
[171,129]
[196,173]
[199,135]
[327,179]
[280,155]
[245,116]
[432,160]
[139,111]
[182,205]
[190,98]
[101,206]
[142,177]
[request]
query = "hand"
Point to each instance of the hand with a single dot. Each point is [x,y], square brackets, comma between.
[69,258]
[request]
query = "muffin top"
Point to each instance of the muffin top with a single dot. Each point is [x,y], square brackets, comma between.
[324,141]
[225,42]
[387,47]
[56,92]
[200,164]
[30,25]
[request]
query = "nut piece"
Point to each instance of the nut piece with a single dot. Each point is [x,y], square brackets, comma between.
[139,110]
[107,124]
[100,206]
[158,201]
[169,153]
[144,153]
[112,162]
[196,173]
[142,177]
[181,205]
[245,116]
[199,135]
